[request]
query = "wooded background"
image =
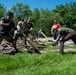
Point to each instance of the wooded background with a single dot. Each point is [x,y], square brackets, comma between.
[43,18]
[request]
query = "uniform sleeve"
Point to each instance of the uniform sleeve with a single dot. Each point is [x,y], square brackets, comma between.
[12,24]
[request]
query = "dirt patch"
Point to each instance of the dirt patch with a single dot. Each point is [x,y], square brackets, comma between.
[66,50]
[7,47]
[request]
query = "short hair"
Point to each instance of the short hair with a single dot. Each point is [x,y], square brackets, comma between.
[23,19]
[9,13]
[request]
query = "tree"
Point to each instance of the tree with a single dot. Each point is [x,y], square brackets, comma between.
[2,10]
[36,23]
[20,11]
[67,12]
[45,20]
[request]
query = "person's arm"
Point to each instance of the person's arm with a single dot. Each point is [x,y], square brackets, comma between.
[30,29]
[58,38]
[3,24]
[31,26]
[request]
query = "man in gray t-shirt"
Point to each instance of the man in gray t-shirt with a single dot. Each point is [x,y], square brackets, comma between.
[64,31]
[65,34]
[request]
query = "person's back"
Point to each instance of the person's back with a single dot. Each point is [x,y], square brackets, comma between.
[64,31]
[20,28]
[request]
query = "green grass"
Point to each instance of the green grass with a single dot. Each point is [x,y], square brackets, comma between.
[49,63]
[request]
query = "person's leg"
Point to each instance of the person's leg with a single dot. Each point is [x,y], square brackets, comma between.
[66,38]
[39,35]
[74,39]
[25,41]
[55,37]
[61,46]
[70,36]
[1,38]
[16,36]
[14,45]
[11,40]
[30,36]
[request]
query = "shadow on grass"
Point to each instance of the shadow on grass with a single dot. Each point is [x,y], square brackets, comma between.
[12,52]
[70,52]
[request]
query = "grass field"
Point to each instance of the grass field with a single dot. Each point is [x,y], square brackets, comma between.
[48,63]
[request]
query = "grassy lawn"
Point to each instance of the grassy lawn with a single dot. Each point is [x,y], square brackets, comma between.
[49,63]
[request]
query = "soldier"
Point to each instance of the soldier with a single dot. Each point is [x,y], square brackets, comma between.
[7,24]
[29,27]
[20,30]
[55,35]
[65,34]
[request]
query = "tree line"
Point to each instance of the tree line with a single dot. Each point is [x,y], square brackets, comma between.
[43,18]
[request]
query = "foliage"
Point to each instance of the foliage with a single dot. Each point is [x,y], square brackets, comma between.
[49,63]
[35,20]
[2,10]
[43,18]
[67,12]
[20,11]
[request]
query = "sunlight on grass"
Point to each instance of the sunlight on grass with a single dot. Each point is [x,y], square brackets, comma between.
[49,63]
